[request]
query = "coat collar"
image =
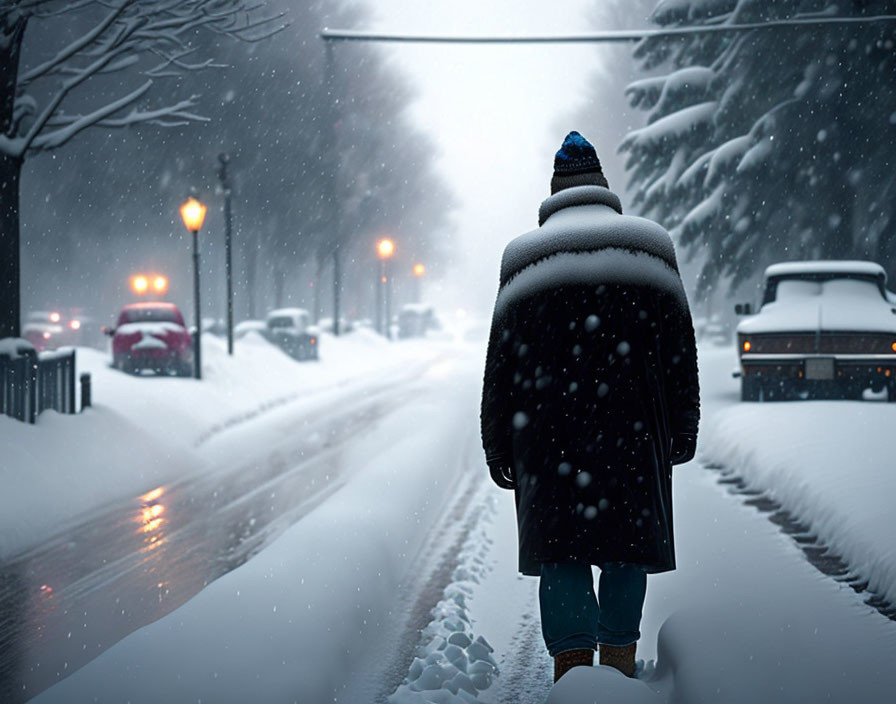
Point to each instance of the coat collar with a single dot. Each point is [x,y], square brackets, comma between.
[578,195]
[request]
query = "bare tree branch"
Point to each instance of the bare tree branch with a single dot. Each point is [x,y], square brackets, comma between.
[156,117]
[72,49]
[128,31]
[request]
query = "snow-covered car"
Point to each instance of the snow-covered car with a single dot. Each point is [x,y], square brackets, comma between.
[291,330]
[152,336]
[49,330]
[416,319]
[44,330]
[825,329]
[244,327]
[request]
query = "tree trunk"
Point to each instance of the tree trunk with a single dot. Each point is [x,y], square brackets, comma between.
[317,280]
[279,286]
[12,27]
[337,289]
[10,265]
[251,263]
[839,241]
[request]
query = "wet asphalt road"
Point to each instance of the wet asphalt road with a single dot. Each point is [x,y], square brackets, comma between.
[69,599]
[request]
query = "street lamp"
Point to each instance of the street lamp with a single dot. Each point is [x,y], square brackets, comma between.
[419,273]
[223,160]
[385,249]
[160,284]
[193,214]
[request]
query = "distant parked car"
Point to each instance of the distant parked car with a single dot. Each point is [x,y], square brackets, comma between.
[49,330]
[416,319]
[152,336]
[44,330]
[244,327]
[716,331]
[291,330]
[825,329]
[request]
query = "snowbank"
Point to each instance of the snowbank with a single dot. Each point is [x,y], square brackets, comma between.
[745,619]
[145,431]
[829,463]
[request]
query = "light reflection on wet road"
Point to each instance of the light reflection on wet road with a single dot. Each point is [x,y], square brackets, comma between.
[68,600]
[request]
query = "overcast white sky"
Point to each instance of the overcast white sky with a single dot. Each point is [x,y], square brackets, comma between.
[498,114]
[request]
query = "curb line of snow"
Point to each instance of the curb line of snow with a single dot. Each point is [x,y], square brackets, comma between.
[453,665]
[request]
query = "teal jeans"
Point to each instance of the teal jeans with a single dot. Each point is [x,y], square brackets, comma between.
[572,618]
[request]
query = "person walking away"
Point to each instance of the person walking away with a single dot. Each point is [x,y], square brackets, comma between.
[590,395]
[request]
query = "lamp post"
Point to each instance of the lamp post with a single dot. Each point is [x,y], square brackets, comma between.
[385,249]
[193,213]
[224,159]
[419,273]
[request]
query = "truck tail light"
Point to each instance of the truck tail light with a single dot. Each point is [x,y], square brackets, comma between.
[748,346]
[893,347]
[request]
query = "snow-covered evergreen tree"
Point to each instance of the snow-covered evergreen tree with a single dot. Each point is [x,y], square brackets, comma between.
[769,144]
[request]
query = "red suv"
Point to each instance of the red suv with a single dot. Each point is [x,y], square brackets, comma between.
[152,336]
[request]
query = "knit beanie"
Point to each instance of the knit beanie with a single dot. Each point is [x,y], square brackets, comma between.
[576,164]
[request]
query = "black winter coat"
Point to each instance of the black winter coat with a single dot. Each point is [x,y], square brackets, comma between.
[591,372]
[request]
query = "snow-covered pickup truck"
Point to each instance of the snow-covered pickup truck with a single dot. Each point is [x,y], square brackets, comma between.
[826,329]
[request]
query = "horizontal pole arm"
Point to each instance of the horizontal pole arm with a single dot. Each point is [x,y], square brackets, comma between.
[345,35]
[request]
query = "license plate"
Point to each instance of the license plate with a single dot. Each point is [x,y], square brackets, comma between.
[820,369]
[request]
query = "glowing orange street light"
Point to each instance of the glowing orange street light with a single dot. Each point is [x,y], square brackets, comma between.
[140,284]
[160,284]
[193,214]
[419,272]
[385,248]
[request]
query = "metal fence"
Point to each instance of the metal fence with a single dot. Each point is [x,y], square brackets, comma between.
[32,383]
[56,381]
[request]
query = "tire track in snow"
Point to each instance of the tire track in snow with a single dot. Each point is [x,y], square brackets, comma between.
[819,555]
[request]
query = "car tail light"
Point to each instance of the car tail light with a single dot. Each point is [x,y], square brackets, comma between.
[313,340]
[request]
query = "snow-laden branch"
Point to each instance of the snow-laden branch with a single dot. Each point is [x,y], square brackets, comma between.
[72,49]
[126,33]
[179,111]
[57,138]
[176,60]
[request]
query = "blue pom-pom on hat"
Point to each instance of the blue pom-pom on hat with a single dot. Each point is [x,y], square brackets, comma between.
[576,156]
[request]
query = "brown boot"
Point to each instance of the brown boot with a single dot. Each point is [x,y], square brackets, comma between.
[622,657]
[564,662]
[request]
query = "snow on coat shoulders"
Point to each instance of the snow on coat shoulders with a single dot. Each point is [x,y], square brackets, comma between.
[585,219]
[584,239]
